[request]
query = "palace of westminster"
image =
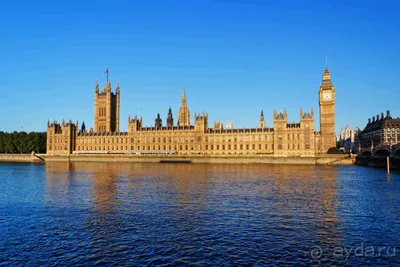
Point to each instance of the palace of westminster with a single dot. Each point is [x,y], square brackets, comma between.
[284,139]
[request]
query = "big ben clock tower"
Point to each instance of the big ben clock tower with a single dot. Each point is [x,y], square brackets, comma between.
[327,97]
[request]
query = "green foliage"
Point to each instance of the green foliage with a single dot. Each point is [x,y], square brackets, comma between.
[334,150]
[22,142]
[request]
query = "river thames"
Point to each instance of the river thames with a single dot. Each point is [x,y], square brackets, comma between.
[180,214]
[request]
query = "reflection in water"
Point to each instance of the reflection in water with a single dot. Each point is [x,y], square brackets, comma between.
[113,213]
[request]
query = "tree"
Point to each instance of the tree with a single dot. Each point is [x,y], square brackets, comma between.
[22,142]
[334,150]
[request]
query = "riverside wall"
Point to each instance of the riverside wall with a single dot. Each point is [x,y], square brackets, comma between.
[19,158]
[231,159]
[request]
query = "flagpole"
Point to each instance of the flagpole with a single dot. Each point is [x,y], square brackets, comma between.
[107,74]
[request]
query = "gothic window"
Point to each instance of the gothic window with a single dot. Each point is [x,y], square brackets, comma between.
[259,146]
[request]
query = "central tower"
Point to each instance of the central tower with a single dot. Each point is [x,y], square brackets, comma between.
[327,98]
[184,114]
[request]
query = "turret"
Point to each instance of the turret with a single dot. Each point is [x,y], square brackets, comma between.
[96,87]
[158,121]
[262,121]
[107,87]
[170,120]
[134,124]
[200,122]
[307,119]
[117,107]
[83,127]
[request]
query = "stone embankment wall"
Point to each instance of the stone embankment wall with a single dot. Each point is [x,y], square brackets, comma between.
[231,159]
[19,158]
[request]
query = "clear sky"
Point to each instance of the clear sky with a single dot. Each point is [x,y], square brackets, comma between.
[235,58]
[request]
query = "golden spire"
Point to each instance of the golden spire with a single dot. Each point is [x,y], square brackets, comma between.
[326,76]
[183,100]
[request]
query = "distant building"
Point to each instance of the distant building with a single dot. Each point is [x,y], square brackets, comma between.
[349,139]
[380,130]
[284,139]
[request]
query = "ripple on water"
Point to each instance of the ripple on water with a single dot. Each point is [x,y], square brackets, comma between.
[155,214]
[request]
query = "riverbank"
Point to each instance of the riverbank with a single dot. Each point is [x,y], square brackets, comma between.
[19,158]
[339,159]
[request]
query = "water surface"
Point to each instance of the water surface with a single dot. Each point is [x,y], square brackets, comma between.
[156,214]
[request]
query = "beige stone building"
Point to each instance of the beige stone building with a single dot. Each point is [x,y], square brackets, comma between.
[284,139]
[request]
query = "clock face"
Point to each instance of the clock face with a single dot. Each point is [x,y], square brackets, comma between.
[326,96]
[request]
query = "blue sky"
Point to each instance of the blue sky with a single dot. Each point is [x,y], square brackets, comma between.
[235,58]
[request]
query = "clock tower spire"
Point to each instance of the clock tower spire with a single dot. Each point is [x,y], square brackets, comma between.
[327,98]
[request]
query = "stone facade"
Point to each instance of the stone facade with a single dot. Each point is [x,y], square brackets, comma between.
[349,139]
[284,139]
[380,130]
